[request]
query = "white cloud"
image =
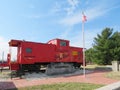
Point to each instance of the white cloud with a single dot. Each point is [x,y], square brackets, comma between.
[65,7]
[77,18]
[73,4]
[56,7]
[96,10]
[91,13]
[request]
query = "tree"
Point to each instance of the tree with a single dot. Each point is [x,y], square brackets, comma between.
[115,51]
[102,46]
[89,55]
[106,47]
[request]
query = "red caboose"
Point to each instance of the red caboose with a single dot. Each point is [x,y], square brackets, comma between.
[57,54]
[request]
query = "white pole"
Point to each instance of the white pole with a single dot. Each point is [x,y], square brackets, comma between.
[2,56]
[83,38]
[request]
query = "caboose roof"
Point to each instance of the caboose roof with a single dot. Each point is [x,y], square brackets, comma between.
[58,39]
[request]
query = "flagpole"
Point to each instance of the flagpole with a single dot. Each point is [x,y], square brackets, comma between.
[83,39]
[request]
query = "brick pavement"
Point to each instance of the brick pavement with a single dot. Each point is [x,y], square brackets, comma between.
[95,78]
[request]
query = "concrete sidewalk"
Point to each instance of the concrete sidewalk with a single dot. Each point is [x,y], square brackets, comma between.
[114,86]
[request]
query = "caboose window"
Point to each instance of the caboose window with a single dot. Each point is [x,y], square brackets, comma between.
[63,43]
[28,50]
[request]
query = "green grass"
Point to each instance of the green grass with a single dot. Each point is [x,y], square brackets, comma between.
[113,75]
[4,74]
[92,66]
[63,86]
[96,67]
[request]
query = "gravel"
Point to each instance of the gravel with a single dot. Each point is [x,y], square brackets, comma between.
[40,75]
[5,75]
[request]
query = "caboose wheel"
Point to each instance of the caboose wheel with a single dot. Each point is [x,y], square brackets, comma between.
[11,74]
[1,69]
[19,74]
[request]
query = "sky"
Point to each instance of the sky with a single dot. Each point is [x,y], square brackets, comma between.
[43,20]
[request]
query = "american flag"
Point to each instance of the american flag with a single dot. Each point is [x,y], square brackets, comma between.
[83,17]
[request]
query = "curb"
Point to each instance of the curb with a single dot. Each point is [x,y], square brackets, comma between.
[113,86]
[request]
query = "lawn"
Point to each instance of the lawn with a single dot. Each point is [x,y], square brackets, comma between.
[63,86]
[5,74]
[113,75]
